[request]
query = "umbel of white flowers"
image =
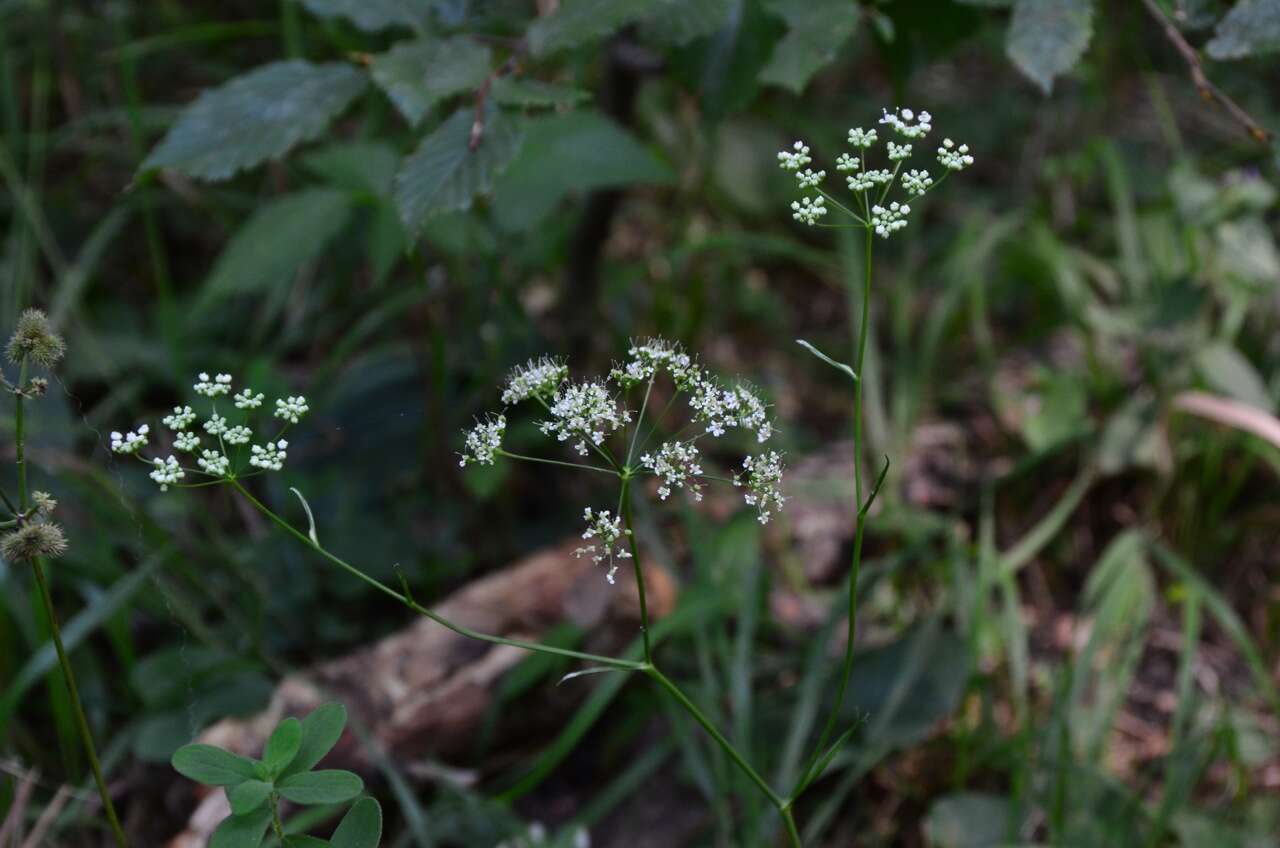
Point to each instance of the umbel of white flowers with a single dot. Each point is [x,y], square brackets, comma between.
[603,418]
[871,187]
[226,457]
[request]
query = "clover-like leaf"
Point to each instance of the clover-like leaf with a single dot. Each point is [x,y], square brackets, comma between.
[320,732]
[248,796]
[242,831]
[283,746]
[330,786]
[361,827]
[213,766]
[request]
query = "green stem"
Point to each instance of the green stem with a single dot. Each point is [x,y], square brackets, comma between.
[855,567]
[793,833]
[612,662]
[19,430]
[37,568]
[277,826]
[510,455]
[635,564]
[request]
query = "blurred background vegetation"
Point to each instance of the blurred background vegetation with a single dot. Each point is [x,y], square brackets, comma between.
[1072,625]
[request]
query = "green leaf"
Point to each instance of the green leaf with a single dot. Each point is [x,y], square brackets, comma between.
[832,362]
[242,831]
[329,786]
[444,173]
[321,730]
[970,820]
[213,766]
[374,15]
[1047,37]
[361,827]
[360,166]
[687,21]
[283,745]
[248,796]
[257,116]
[417,75]
[1250,28]
[816,30]
[301,840]
[311,519]
[282,235]
[1226,370]
[576,151]
[578,22]
[513,92]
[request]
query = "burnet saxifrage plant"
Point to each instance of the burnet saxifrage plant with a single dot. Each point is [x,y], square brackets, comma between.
[591,422]
[878,199]
[29,536]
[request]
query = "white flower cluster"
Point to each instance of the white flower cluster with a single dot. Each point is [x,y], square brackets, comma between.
[677,465]
[899,152]
[808,178]
[845,162]
[864,180]
[180,419]
[916,182]
[292,408]
[652,355]
[808,210]
[166,472]
[536,378]
[536,835]
[859,137]
[796,158]
[483,441]
[900,120]
[130,442]
[219,462]
[886,220]
[606,528]
[269,457]
[219,385]
[721,408]
[763,483]
[953,157]
[585,411]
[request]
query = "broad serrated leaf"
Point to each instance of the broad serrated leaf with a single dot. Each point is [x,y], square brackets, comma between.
[1226,370]
[258,116]
[514,92]
[816,30]
[683,22]
[361,827]
[212,766]
[374,15]
[242,831]
[283,746]
[417,75]
[1047,37]
[321,730]
[358,166]
[330,786]
[579,22]
[1250,28]
[444,173]
[576,151]
[273,244]
[248,796]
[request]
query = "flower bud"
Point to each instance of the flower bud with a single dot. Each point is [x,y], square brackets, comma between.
[35,339]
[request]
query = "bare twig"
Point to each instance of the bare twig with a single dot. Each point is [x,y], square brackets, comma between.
[1207,89]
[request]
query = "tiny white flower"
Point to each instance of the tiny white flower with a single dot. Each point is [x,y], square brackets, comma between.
[808,210]
[864,180]
[291,409]
[845,162]
[648,357]
[606,529]
[763,481]
[536,378]
[216,425]
[166,472]
[219,385]
[186,442]
[238,435]
[248,399]
[899,152]
[952,157]
[131,442]
[483,441]
[859,137]
[809,178]
[270,456]
[677,465]
[888,220]
[180,419]
[916,182]
[214,463]
[796,158]
[900,120]
[585,412]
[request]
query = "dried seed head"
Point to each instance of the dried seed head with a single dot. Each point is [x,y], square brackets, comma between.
[36,340]
[34,540]
[45,503]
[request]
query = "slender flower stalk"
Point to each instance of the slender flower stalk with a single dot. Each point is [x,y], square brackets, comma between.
[36,538]
[880,217]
